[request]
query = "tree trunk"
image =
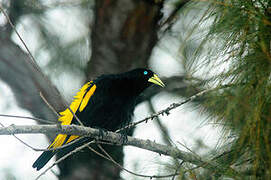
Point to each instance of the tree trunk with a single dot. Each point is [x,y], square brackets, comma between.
[123,35]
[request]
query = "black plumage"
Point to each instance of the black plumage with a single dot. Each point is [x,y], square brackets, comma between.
[107,102]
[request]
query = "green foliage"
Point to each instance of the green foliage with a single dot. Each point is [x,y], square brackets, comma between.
[241,31]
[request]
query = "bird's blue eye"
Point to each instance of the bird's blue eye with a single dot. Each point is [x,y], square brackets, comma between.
[145,72]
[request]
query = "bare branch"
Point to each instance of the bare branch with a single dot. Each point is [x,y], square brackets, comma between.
[64,157]
[163,129]
[48,104]
[108,157]
[116,138]
[13,27]
[21,140]
[171,107]
[31,118]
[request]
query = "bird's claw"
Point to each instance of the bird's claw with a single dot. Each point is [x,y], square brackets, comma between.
[123,138]
[102,132]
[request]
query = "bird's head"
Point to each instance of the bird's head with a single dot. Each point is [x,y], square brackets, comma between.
[130,83]
[144,77]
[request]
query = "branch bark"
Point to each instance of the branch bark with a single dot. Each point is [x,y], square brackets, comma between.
[116,138]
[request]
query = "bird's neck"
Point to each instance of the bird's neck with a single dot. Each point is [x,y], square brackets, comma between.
[130,88]
[124,88]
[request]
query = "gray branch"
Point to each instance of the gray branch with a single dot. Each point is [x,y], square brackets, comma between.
[115,138]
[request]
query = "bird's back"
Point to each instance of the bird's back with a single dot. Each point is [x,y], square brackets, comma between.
[110,107]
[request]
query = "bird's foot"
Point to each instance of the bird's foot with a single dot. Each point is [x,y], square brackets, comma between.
[123,138]
[102,132]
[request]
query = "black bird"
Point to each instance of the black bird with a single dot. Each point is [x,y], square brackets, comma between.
[107,103]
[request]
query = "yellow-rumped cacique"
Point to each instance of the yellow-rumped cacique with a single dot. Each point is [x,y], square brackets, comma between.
[107,103]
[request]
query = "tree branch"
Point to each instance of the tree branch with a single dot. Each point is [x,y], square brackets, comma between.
[116,138]
[25,78]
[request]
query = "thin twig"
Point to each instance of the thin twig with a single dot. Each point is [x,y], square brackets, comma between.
[168,109]
[20,140]
[25,117]
[48,104]
[176,173]
[64,157]
[131,172]
[13,27]
[53,109]
[164,130]
[74,115]
[55,173]
[33,61]
[190,150]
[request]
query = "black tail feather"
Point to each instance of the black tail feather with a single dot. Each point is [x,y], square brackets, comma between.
[43,159]
[47,155]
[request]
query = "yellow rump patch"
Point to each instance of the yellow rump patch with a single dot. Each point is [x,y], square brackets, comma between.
[80,101]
